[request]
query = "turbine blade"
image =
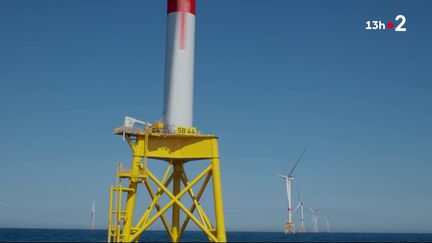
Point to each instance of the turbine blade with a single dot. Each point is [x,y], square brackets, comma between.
[298,193]
[282,176]
[296,208]
[296,163]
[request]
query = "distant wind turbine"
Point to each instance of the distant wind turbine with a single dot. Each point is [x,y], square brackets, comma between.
[300,205]
[93,215]
[328,224]
[314,219]
[289,226]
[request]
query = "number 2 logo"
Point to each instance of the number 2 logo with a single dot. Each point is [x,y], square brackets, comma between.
[401,24]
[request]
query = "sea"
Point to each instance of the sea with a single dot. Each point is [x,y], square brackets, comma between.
[72,235]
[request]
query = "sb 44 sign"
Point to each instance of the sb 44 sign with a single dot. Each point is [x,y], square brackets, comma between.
[191,131]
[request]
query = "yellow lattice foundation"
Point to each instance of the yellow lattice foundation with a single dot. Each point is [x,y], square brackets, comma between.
[175,150]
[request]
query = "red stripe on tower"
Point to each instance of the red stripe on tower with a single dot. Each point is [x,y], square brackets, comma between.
[181,5]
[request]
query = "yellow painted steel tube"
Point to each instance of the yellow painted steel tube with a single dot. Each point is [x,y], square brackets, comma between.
[175,199]
[119,207]
[110,214]
[201,212]
[201,191]
[164,221]
[158,195]
[217,195]
[130,206]
[131,196]
[175,208]
[170,203]
[197,222]
[147,213]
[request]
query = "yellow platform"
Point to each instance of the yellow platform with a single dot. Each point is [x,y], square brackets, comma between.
[175,150]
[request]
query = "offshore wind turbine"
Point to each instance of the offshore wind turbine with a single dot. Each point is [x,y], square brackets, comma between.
[301,206]
[93,215]
[289,226]
[314,219]
[328,224]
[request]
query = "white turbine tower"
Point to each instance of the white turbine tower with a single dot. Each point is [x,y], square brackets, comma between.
[314,219]
[93,215]
[289,226]
[301,206]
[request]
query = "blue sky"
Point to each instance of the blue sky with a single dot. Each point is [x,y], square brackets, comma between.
[271,79]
